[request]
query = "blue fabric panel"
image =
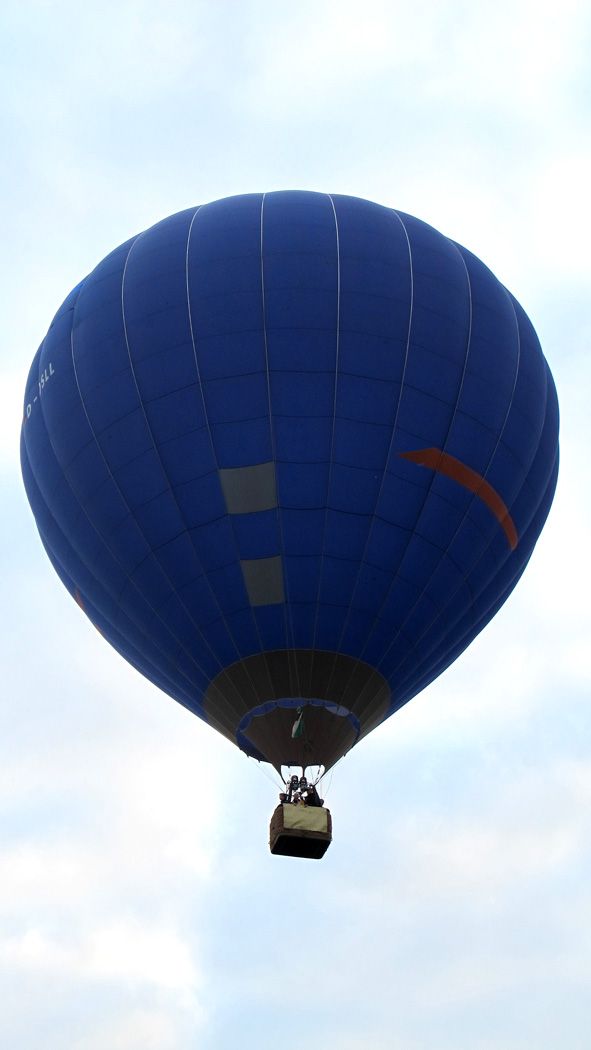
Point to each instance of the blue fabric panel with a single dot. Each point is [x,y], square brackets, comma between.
[302,485]
[400,500]
[371,586]
[296,394]
[123,644]
[201,500]
[243,628]
[218,638]
[420,560]
[367,400]
[372,356]
[375,286]
[488,604]
[337,581]
[227,585]
[346,534]
[300,273]
[302,531]
[187,457]
[441,517]
[524,507]
[329,625]
[302,578]
[129,620]
[226,306]
[242,444]
[176,414]
[272,628]
[303,623]
[302,440]
[386,545]
[353,490]
[257,535]
[423,419]
[361,444]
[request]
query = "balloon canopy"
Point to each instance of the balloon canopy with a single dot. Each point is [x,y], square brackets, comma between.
[290,452]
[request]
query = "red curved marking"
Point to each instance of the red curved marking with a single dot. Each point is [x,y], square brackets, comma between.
[453,468]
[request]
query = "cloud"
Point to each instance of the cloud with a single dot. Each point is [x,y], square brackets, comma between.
[124,951]
[148,1028]
[12,386]
[127,53]
[308,61]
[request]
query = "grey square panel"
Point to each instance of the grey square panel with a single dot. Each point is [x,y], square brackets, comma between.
[264,580]
[249,489]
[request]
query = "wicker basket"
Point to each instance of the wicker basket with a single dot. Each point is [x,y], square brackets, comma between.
[300,830]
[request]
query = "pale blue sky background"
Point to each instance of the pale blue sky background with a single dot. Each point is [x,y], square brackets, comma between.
[139,907]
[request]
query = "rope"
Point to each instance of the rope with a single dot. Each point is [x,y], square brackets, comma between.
[269,776]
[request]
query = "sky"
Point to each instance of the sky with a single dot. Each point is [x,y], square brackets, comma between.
[139,905]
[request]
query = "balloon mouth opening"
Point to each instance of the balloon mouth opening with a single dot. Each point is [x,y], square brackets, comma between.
[295,722]
[255,702]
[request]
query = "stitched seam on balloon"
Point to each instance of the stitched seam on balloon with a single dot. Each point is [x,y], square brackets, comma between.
[287,620]
[99,535]
[350,513]
[290,415]
[240,705]
[165,476]
[204,575]
[129,579]
[156,675]
[78,501]
[466,512]
[436,668]
[525,484]
[332,438]
[212,445]
[398,572]
[388,452]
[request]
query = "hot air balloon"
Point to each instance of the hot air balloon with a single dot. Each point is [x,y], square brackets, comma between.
[290,452]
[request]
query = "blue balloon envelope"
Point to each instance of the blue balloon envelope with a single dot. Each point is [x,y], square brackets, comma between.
[290,453]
